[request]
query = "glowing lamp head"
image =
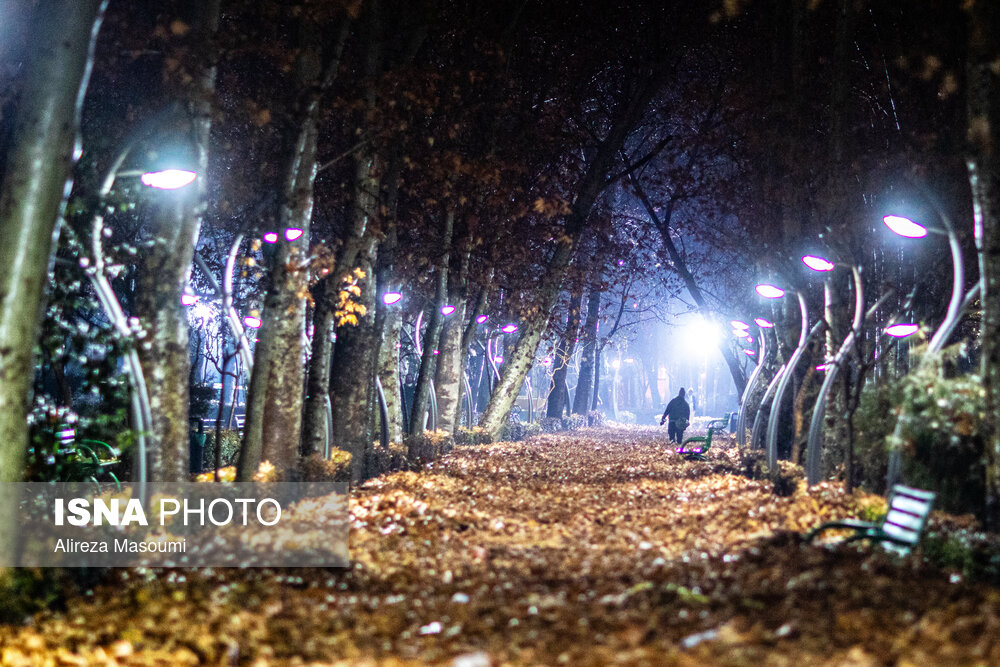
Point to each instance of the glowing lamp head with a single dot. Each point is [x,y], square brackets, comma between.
[630,360]
[905,227]
[770,291]
[616,364]
[498,360]
[818,263]
[510,328]
[168,179]
[293,233]
[901,330]
[189,299]
[252,322]
[447,310]
[390,298]
[547,361]
[737,324]
[762,323]
[741,333]
[822,367]
[482,318]
[271,237]
[750,353]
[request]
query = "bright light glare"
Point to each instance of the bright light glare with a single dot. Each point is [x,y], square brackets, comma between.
[292,233]
[189,299]
[547,361]
[741,333]
[202,311]
[823,367]
[737,324]
[510,328]
[817,263]
[701,336]
[447,310]
[390,298]
[616,364]
[902,330]
[482,318]
[498,360]
[765,324]
[271,237]
[252,322]
[630,360]
[770,291]
[168,179]
[749,353]
[905,227]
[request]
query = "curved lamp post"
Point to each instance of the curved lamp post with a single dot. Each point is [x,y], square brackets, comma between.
[741,418]
[165,177]
[906,227]
[815,442]
[788,370]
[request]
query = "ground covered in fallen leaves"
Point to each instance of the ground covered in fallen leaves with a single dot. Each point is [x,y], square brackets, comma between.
[596,547]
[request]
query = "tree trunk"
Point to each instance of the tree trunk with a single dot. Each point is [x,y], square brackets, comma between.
[585,384]
[984,172]
[36,176]
[559,391]
[388,368]
[352,378]
[451,360]
[421,395]
[318,383]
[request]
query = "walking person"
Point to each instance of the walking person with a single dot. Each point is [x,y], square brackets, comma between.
[679,413]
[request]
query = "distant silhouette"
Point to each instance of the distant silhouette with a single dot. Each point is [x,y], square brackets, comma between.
[679,413]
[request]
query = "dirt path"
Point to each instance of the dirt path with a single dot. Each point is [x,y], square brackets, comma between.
[593,548]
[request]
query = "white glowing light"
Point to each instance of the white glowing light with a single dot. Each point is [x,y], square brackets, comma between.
[447,310]
[252,322]
[616,364]
[630,360]
[749,353]
[293,233]
[547,361]
[482,318]
[189,299]
[770,291]
[498,360]
[902,330]
[817,263]
[738,324]
[699,336]
[764,324]
[510,328]
[905,227]
[390,298]
[168,179]
[202,311]
[271,237]
[823,367]
[741,333]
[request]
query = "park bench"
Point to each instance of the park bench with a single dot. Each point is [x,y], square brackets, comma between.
[901,528]
[93,459]
[694,448]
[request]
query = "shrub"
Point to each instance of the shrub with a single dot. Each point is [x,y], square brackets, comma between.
[428,446]
[383,460]
[476,435]
[574,422]
[625,417]
[315,468]
[550,424]
[941,436]
[266,472]
[230,439]
[595,418]
[522,431]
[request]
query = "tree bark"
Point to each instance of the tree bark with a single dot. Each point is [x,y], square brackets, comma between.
[428,360]
[984,174]
[451,360]
[586,384]
[36,179]
[559,391]
[352,378]
[318,382]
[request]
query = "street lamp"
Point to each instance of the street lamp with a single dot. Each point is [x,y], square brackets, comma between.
[390,298]
[786,372]
[741,418]
[822,264]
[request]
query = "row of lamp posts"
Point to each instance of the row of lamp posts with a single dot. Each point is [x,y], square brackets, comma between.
[769,408]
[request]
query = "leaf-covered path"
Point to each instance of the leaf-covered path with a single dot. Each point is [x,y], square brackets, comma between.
[591,548]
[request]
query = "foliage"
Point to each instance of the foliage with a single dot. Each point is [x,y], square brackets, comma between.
[266,472]
[428,446]
[574,422]
[384,460]
[230,439]
[517,431]
[472,436]
[626,417]
[941,435]
[200,402]
[550,424]
[595,418]
[315,468]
